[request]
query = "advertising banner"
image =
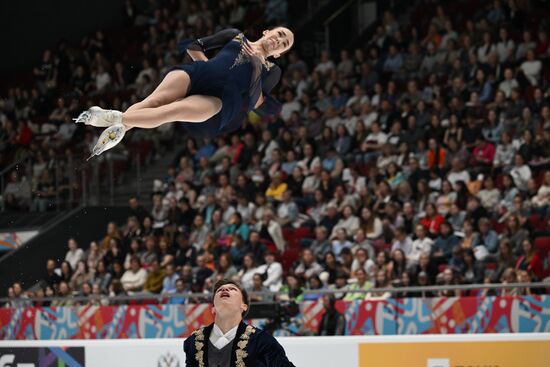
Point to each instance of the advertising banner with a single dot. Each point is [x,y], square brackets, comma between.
[518,353]
[457,315]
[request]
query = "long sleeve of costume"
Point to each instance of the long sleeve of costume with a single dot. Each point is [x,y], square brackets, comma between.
[209,43]
[189,352]
[272,353]
[270,106]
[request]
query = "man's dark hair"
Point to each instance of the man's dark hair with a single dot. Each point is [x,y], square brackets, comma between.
[244,293]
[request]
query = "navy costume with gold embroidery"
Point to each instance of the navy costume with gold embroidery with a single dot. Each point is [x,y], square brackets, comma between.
[251,347]
[232,75]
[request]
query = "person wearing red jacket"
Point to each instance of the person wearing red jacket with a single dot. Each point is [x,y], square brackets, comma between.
[432,220]
[530,259]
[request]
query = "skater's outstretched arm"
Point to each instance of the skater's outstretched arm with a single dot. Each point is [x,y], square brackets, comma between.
[209,43]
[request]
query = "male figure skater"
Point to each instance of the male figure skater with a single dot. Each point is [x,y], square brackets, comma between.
[229,342]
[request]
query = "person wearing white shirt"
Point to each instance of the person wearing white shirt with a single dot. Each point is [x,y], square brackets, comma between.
[508,83]
[326,64]
[363,261]
[373,143]
[486,49]
[531,68]
[134,278]
[422,245]
[521,173]
[75,254]
[273,272]
[458,173]
[228,338]
[505,47]
[289,106]
[349,222]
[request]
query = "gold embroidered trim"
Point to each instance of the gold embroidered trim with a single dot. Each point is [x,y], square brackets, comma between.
[241,353]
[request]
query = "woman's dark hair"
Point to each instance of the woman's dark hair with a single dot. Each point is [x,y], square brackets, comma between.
[244,294]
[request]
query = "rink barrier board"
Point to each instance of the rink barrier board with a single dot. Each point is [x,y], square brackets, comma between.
[487,350]
[405,316]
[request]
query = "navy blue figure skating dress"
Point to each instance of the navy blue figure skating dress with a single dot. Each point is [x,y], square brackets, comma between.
[234,76]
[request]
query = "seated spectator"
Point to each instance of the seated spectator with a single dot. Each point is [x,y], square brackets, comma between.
[51,278]
[287,211]
[402,242]
[271,272]
[349,222]
[473,271]
[246,273]
[486,236]
[101,277]
[521,173]
[361,284]
[199,231]
[340,242]
[432,220]
[237,227]
[155,278]
[66,272]
[308,266]
[114,254]
[116,289]
[371,224]
[398,264]
[277,188]
[448,277]
[170,279]
[313,284]
[421,245]
[93,255]
[443,246]
[224,268]
[292,290]
[201,272]
[258,292]
[180,289]
[75,254]
[489,195]
[362,261]
[382,281]
[112,233]
[17,194]
[80,276]
[270,231]
[515,234]
[509,276]
[185,252]
[134,278]
[530,260]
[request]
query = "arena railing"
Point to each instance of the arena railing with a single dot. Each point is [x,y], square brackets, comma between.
[206,297]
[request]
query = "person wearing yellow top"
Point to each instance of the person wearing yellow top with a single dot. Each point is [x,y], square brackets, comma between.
[153,284]
[276,188]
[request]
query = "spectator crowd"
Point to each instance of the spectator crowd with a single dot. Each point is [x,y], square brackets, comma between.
[420,158]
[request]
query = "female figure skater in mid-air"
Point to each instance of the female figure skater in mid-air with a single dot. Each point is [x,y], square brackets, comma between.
[210,96]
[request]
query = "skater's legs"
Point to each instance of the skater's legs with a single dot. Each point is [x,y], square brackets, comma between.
[195,108]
